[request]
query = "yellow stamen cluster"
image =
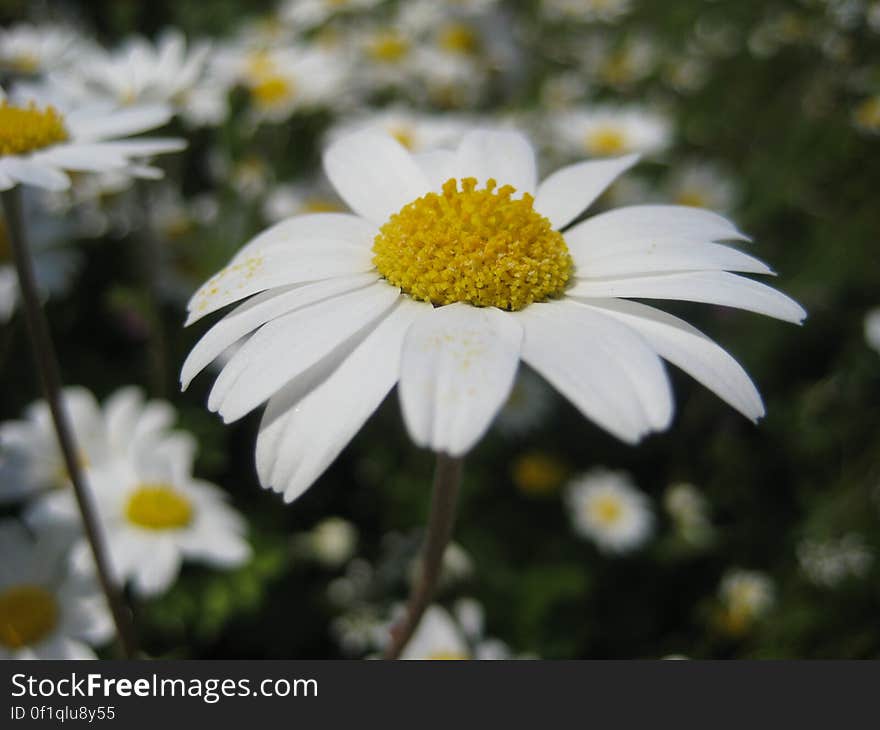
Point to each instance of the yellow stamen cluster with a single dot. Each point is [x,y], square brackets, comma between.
[606,510]
[606,141]
[476,246]
[27,615]
[458,38]
[25,129]
[158,506]
[448,656]
[388,48]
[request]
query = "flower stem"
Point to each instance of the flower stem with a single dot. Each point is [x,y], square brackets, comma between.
[47,366]
[447,479]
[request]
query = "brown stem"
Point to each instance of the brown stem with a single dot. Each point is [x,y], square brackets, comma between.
[47,367]
[441,517]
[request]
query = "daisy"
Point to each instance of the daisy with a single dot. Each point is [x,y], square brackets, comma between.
[606,507]
[125,422]
[537,473]
[40,143]
[609,131]
[746,596]
[289,199]
[416,131]
[828,563]
[154,515]
[689,511]
[604,11]
[140,72]
[332,542]
[450,271]
[703,185]
[307,14]
[31,49]
[46,611]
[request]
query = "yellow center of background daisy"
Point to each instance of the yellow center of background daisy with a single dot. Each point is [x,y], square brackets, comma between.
[27,615]
[606,510]
[474,246]
[271,90]
[606,141]
[448,656]
[158,506]
[29,128]
[388,47]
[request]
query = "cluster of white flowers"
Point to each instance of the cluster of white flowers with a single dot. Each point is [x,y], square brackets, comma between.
[153,512]
[828,563]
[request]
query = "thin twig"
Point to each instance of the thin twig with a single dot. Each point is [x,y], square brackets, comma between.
[447,479]
[47,366]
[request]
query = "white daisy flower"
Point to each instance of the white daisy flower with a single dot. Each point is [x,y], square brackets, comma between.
[746,596]
[703,185]
[442,635]
[307,14]
[603,131]
[154,515]
[46,611]
[828,563]
[414,130]
[690,512]
[40,143]
[141,72]
[124,423]
[604,11]
[289,199]
[872,329]
[607,507]
[450,271]
[332,541]
[35,49]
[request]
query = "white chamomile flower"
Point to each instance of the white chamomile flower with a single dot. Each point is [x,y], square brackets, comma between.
[703,185]
[289,199]
[872,329]
[416,131]
[141,72]
[689,510]
[307,14]
[47,611]
[35,49]
[746,596]
[450,271]
[607,507]
[608,131]
[828,563]
[332,541]
[604,11]
[154,515]
[124,423]
[41,142]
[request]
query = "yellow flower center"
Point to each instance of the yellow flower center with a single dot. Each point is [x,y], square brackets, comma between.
[605,141]
[25,129]
[458,38]
[536,473]
[388,47]
[867,114]
[272,89]
[606,510]
[27,615]
[693,198]
[474,246]
[158,506]
[447,655]
[321,205]
[405,136]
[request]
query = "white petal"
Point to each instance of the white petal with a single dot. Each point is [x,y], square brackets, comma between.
[156,570]
[118,123]
[638,222]
[605,369]
[709,287]
[86,158]
[374,174]
[456,372]
[289,346]
[143,147]
[568,192]
[33,173]
[692,351]
[506,156]
[299,439]
[342,227]
[313,261]
[438,166]
[259,310]
[653,255]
